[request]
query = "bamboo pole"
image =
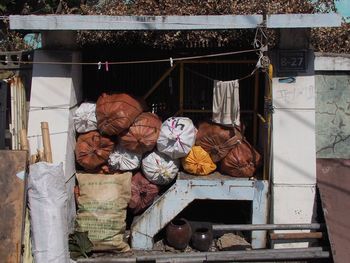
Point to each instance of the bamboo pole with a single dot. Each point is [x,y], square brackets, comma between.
[46,142]
[268,114]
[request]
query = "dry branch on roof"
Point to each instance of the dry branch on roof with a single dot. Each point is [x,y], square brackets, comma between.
[228,38]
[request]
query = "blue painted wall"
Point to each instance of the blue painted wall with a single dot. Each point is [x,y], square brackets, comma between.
[343,8]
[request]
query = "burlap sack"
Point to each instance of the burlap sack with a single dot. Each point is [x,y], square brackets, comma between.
[115,113]
[102,204]
[143,193]
[198,162]
[143,133]
[215,140]
[92,150]
[241,161]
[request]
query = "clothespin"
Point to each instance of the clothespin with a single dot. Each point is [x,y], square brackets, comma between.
[171,62]
[99,65]
[106,66]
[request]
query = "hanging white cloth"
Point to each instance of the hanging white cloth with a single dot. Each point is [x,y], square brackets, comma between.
[226,109]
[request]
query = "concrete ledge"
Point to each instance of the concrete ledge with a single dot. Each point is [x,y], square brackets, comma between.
[332,62]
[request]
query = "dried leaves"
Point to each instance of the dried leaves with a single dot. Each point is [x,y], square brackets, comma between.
[232,38]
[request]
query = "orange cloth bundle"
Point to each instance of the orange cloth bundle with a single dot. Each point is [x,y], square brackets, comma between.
[198,161]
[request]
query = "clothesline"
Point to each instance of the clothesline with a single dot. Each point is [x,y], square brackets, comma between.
[211,79]
[106,63]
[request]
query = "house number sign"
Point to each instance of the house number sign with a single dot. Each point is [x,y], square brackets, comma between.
[292,60]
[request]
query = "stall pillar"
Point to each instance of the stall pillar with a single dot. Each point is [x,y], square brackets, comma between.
[55,94]
[293,135]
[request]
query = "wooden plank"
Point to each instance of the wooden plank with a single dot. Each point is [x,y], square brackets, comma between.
[303,20]
[102,22]
[333,181]
[294,236]
[12,196]
[159,81]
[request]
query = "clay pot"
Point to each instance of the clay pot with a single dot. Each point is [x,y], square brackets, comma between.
[202,239]
[178,233]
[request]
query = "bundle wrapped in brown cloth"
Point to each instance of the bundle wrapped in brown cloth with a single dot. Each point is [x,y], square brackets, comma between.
[241,161]
[216,140]
[115,113]
[143,193]
[143,133]
[92,150]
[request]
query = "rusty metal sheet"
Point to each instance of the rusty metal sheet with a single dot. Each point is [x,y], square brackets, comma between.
[333,180]
[12,196]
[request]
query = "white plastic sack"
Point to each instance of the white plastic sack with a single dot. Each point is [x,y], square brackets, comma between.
[177,136]
[48,211]
[85,118]
[159,169]
[124,160]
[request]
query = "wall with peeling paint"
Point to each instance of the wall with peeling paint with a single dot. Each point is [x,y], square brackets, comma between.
[333,114]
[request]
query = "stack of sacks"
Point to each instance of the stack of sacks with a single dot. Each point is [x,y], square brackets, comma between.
[112,114]
[143,133]
[143,193]
[227,145]
[198,162]
[115,113]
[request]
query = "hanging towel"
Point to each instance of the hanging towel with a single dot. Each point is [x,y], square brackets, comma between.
[226,102]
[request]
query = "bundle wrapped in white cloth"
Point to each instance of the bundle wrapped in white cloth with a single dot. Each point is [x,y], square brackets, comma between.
[177,136]
[159,169]
[124,160]
[85,118]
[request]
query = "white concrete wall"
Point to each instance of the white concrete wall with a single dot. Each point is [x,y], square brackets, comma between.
[294,153]
[56,90]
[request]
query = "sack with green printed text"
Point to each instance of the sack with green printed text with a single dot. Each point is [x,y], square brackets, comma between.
[102,203]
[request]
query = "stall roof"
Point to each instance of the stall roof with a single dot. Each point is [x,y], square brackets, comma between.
[210,22]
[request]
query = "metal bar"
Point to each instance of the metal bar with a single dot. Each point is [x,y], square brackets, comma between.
[314,226]
[159,81]
[220,62]
[293,236]
[256,104]
[181,93]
